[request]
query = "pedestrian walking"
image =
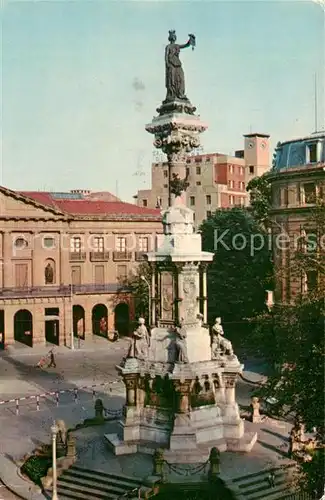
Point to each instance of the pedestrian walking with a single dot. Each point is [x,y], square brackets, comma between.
[52,360]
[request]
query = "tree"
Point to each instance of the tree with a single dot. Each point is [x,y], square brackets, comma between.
[139,289]
[241,268]
[259,189]
[293,335]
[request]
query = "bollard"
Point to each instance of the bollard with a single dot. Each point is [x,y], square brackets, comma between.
[37,403]
[17,406]
[57,398]
[76,396]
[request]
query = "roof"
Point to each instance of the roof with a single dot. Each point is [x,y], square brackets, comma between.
[256,134]
[90,207]
[314,136]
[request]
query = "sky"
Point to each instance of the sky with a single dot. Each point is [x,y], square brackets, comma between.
[80,79]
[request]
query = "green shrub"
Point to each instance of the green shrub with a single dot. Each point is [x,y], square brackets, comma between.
[36,467]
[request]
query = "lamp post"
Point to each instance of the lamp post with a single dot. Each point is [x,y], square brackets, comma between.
[54,431]
[71,298]
[270,305]
[149,296]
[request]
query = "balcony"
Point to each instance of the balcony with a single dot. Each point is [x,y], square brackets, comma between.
[140,256]
[99,256]
[122,256]
[61,290]
[77,256]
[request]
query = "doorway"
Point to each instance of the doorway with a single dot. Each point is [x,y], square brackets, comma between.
[122,318]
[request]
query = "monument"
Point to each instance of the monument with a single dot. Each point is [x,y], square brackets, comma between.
[180,389]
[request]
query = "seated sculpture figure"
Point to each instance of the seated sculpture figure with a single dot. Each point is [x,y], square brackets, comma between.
[220,345]
[181,343]
[140,342]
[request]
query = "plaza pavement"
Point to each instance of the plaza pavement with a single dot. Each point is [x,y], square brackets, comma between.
[92,364]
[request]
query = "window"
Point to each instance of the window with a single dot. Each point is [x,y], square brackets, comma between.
[121,244]
[192,201]
[21,243]
[242,186]
[312,149]
[165,173]
[75,244]
[121,272]
[76,275]
[208,213]
[143,244]
[231,184]
[308,241]
[251,169]
[208,199]
[231,200]
[242,171]
[165,185]
[144,203]
[194,217]
[242,201]
[198,170]
[231,169]
[187,171]
[208,159]
[21,275]
[48,242]
[99,244]
[309,192]
[99,275]
[198,183]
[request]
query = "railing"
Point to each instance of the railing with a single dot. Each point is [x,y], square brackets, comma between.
[122,256]
[77,256]
[140,255]
[62,291]
[99,256]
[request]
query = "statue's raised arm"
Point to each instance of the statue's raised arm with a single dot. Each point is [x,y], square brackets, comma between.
[175,81]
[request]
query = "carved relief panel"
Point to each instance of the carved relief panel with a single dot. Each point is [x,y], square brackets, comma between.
[167,296]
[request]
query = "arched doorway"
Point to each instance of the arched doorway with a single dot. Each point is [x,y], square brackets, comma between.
[122,318]
[99,320]
[23,327]
[78,321]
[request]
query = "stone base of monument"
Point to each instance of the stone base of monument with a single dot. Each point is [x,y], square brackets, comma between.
[181,452]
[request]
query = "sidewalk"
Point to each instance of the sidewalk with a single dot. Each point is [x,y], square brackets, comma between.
[92,344]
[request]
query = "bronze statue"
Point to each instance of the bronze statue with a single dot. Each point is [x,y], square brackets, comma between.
[175,81]
[177,185]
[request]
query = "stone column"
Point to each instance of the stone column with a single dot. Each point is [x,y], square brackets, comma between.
[176,166]
[54,431]
[152,313]
[183,390]
[130,382]
[230,383]
[141,392]
[205,294]
[8,274]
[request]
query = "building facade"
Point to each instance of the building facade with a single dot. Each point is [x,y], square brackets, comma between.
[298,183]
[63,257]
[215,180]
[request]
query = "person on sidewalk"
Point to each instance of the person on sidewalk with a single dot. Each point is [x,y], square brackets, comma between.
[52,360]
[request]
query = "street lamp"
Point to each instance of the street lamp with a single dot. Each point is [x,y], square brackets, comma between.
[149,296]
[270,305]
[71,297]
[54,431]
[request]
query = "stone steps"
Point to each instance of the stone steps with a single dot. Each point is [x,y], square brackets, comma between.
[256,487]
[77,483]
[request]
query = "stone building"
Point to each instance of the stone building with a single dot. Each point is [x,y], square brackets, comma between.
[298,180]
[215,180]
[62,259]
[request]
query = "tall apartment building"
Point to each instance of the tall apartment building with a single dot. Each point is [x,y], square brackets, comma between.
[298,180]
[215,180]
[62,259]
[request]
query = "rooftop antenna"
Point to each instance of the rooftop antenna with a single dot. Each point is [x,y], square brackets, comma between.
[316,123]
